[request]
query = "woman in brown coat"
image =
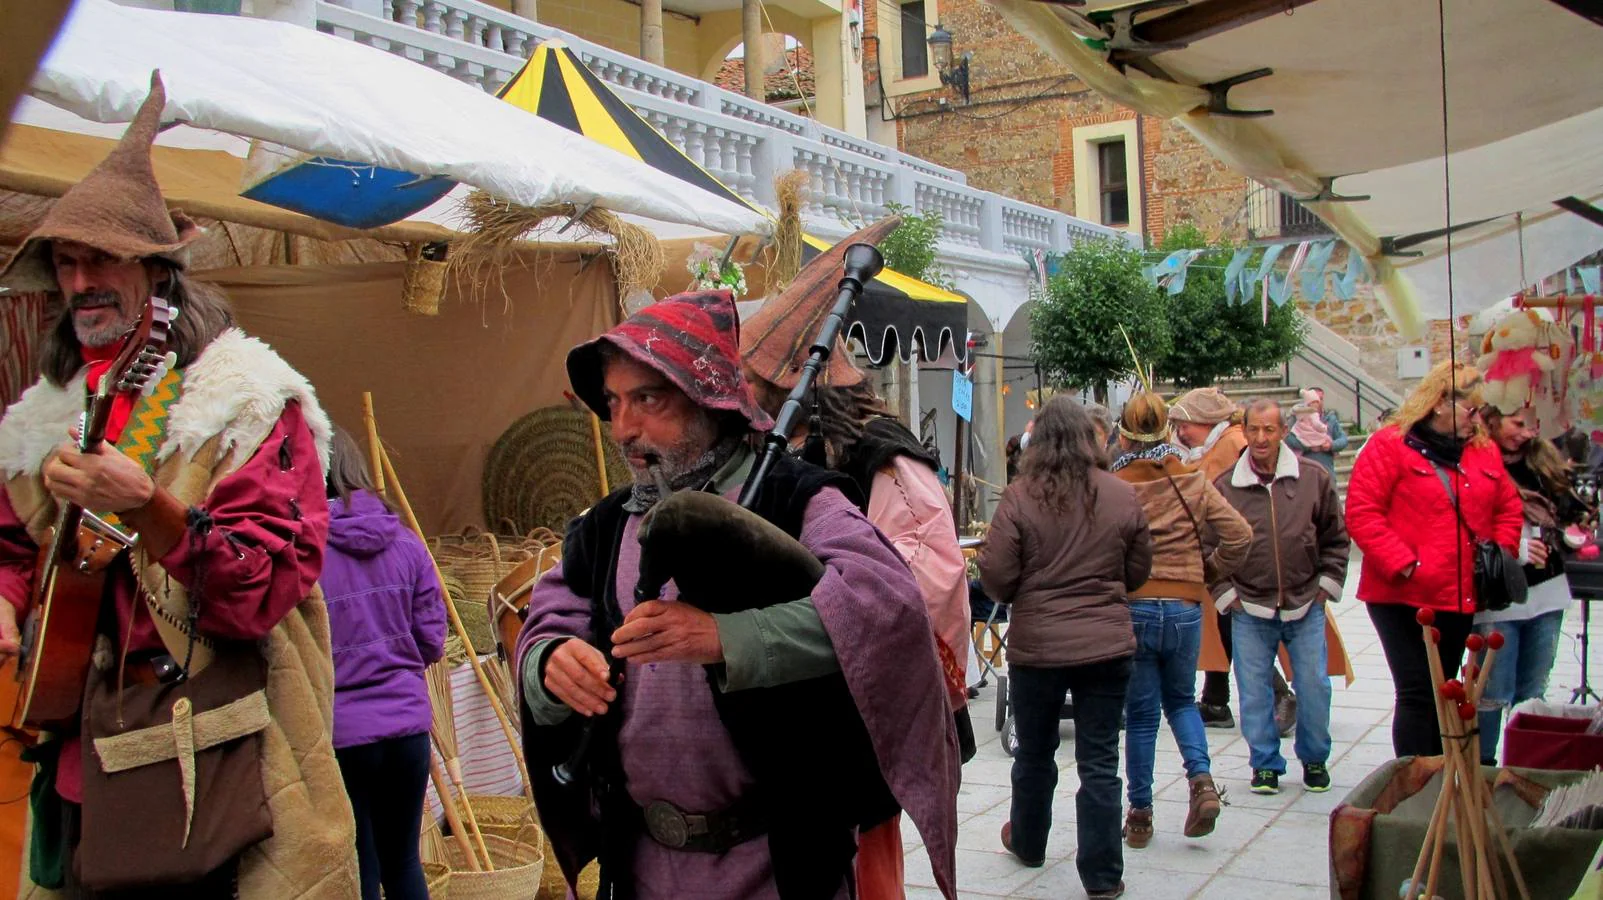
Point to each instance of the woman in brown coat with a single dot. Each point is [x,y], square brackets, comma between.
[1182,506]
[1067,542]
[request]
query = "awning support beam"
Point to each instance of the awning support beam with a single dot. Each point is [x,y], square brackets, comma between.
[1204,20]
[1581,208]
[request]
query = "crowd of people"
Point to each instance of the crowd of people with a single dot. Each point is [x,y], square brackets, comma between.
[255,719]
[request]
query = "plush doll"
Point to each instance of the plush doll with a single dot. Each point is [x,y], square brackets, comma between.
[1518,357]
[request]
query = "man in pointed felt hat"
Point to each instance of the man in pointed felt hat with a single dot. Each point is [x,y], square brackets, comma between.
[896,477]
[202,765]
[668,798]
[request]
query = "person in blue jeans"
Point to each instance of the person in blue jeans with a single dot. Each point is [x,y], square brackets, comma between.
[1067,542]
[1297,564]
[1531,629]
[1183,510]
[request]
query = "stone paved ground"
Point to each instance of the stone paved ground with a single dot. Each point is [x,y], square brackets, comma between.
[1276,842]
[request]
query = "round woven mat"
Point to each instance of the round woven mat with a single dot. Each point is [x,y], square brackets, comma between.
[542,471]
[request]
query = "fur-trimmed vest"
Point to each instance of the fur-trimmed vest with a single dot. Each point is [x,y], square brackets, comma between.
[232,396]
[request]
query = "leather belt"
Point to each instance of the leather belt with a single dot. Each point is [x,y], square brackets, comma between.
[715,832]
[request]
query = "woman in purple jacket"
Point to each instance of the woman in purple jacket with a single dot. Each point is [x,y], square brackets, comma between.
[387,622]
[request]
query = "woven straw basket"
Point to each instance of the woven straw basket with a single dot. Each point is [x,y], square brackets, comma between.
[472,563]
[422,282]
[438,878]
[519,867]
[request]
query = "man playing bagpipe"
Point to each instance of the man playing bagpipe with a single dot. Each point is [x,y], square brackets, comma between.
[736,752]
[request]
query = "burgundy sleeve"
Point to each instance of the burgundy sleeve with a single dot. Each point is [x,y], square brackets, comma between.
[18,556]
[254,547]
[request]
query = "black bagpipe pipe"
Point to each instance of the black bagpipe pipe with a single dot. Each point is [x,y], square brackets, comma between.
[817,777]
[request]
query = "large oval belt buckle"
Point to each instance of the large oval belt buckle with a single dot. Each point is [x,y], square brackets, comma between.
[667,824]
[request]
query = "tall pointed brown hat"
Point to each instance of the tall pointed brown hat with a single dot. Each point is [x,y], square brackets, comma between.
[117,209]
[775,342]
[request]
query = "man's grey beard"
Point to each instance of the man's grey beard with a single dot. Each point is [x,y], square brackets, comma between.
[686,467]
[107,334]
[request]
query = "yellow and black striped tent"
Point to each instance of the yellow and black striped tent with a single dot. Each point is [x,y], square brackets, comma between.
[895,312]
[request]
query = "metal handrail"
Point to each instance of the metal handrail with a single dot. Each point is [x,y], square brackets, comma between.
[1338,373]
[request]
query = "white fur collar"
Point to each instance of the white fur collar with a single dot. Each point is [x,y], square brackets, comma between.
[237,389]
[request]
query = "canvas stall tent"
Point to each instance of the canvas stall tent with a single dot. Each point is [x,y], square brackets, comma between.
[896,314]
[1356,92]
[328,299]
[319,95]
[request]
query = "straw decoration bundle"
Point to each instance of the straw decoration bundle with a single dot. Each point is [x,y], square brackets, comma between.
[443,728]
[494,227]
[436,871]
[784,255]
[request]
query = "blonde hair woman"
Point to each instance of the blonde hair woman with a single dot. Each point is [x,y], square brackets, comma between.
[1425,488]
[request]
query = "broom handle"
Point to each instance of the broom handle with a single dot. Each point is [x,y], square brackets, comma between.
[451,818]
[461,630]
[372,441]
[453,768]
[601,453]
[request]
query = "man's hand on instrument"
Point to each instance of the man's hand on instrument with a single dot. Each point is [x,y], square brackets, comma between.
[656,632]
[10,637]
[576,674]
[103,480]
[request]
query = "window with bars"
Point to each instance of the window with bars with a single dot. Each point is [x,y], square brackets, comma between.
[1113,184]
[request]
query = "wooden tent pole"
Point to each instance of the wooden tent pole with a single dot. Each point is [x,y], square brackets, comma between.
[461,630]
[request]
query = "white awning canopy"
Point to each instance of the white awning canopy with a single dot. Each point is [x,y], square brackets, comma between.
[321,95]
[1357,95]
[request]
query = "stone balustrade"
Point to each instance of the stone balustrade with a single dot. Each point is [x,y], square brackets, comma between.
[741,142]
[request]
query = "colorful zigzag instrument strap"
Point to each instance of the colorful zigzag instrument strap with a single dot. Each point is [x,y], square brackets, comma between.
[147,426]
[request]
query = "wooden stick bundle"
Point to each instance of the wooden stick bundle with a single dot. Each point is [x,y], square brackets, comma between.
[1465,796]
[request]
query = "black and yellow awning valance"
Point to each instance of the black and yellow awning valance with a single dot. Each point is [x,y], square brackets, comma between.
[896,314]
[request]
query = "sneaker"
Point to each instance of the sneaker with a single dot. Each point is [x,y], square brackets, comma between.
[1007,844]
[1286,713]
[1266,781]
[1216,715]
[1315,777]
[1138,828]
[1112,893]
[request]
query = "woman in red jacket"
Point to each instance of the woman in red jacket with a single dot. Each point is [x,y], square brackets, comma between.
[1417,555]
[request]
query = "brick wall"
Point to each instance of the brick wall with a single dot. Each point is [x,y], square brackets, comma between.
[1015,136]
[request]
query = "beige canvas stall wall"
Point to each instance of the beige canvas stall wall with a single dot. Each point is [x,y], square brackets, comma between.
[444,387]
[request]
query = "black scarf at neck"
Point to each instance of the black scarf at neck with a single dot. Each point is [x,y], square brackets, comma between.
[1441,449]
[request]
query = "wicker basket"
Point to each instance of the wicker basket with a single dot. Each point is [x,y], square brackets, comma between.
[505,817]
[519,867]
[438,878]
[422,282]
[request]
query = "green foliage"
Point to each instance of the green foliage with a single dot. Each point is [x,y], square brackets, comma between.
[1074,326]
[912,248]
[1214,339]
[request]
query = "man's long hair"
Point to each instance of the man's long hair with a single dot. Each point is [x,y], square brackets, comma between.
[1057,464]
[204,313]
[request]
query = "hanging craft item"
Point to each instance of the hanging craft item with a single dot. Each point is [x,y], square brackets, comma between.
[1584,391]
[541,472]
[1521,361]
